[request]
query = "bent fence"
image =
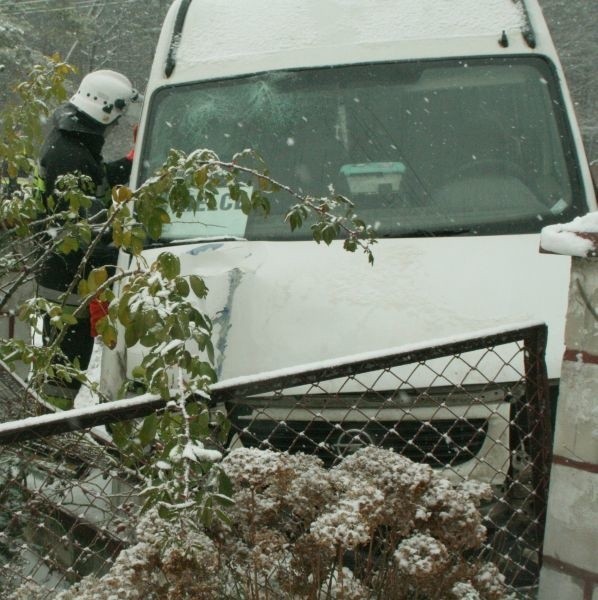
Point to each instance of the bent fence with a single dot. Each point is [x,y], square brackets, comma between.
[471,408]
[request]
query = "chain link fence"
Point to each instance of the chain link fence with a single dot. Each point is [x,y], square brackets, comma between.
[471,408]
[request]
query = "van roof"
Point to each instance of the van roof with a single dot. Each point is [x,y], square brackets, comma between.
[232,34]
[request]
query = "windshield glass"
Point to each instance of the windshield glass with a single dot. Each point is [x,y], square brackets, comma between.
[427,148]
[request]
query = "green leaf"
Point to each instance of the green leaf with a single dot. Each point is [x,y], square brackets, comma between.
[137,241]
[350,244]
[179,197]
[169,265]
[69,319]
[97,278]
[131,336]
[210,199]
[124,311]
[148,430]
[180,329]
[234,191]
[264,183]
[108,332]
[210,350]
[225,486]
[120,433]
[246,205]
[295,220]
[154,226]
[201,176]
[69,244]
[329,233]
[85,234]
[316,232]
[198,286]
[138,372]
[150,318]
[207,514]
[199,425]
[149,340]
[260,203]
[83,288]
[207,371]
[181,286]
[164,216]
[121,193]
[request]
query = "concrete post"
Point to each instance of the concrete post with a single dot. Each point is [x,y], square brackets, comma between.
[570,565]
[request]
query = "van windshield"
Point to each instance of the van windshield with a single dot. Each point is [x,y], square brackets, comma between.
[475,147]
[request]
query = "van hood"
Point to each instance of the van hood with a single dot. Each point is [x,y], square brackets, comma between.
[276,305]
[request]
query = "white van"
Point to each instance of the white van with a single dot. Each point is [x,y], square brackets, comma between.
[448,123]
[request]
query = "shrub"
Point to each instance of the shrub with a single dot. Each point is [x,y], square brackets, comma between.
[375,526]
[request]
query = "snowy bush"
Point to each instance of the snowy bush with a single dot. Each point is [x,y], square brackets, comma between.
[375,526]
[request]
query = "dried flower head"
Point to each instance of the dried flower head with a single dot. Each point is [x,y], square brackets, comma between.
[421,556]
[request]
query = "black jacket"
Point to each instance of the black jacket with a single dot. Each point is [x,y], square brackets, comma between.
[75,145]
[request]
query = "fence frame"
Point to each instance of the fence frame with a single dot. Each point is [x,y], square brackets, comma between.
[534,406]
[533,335]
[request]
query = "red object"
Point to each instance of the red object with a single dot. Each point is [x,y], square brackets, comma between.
[131,155]
[98,309]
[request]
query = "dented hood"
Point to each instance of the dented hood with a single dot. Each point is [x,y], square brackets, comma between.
[277,305]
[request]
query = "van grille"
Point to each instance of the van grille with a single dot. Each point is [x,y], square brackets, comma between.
[437,443]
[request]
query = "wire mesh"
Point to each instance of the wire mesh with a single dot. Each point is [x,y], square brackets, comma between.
[471,408]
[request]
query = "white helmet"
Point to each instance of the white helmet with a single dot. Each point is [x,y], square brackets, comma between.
[104,96]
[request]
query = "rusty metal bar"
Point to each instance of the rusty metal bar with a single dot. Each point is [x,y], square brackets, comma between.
[231,390]
[539,420]
[77,419]
[122,410]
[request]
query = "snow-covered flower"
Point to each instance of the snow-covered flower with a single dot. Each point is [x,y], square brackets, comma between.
[421,556]
[343,584]
[347,524]
[463,590]
[290,523]
[452,515]
[490,582]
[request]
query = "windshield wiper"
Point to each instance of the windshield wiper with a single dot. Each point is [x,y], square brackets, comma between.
[198,240]
[447,232]
[206,240]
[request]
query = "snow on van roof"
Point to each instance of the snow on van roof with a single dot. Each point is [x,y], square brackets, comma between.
[215,29]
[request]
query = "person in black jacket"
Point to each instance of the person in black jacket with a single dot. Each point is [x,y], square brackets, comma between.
[74,145]
[79,128]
